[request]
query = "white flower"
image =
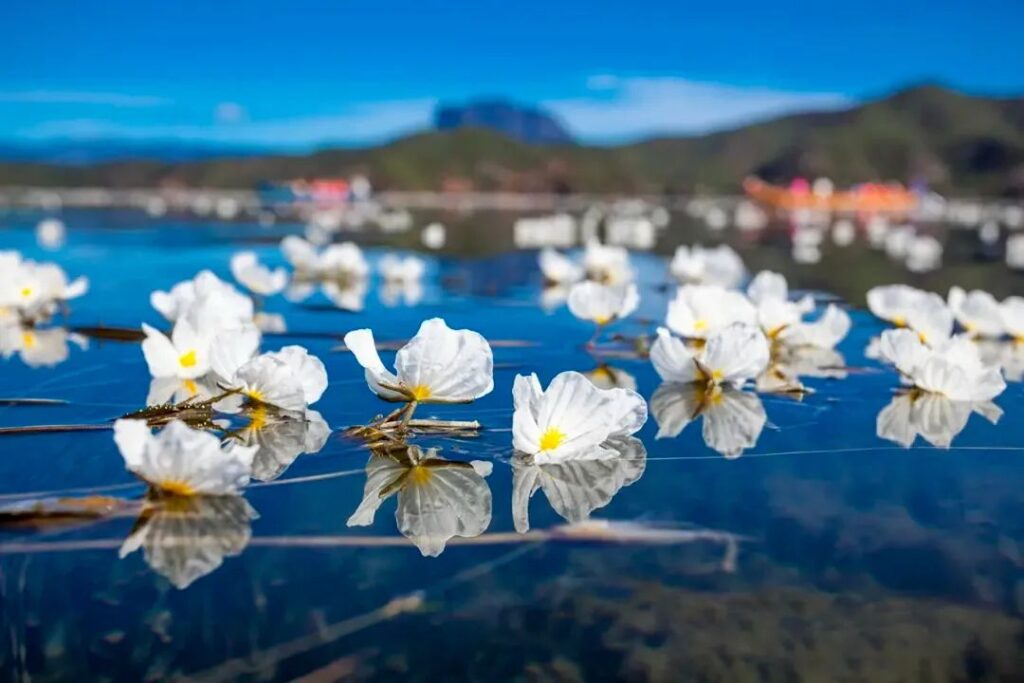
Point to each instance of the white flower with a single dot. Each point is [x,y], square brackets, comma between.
[733,419]
[342,261]
[775,312]
[35,289]
[602,304]
[954,369]
[924,312]
[701,310]
[933,417]
[434,236]
[557,268]
[824,333]
[50,233]
[977,311]
[894,303]
[437,498]
[731,356]
[183,461]
[1012,313]
[290,379]
[438,365]
[606,264]
[254,276]
[572,418]
[185,355]
[924,254]
[399,270]
[720,266]
[575,488]
[209,304]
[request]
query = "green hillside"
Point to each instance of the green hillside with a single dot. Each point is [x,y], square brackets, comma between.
[972,144]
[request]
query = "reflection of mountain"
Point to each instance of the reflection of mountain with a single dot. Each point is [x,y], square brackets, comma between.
[951,139]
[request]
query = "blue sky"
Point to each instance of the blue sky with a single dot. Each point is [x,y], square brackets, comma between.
[301,74]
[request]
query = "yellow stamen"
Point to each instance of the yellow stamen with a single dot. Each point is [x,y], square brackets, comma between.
[419,475]
[258,418]
[191,387]
[700,324]
[551,439]
[255,395]
[188,359]
[716,376]
[420,392]
[899,321]
[177,488]
[923,337]
[603,319]
[26,292]
[28,339]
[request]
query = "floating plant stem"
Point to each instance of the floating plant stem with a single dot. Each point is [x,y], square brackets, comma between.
[120,334]
[33,402]
[196,414]
[52,429]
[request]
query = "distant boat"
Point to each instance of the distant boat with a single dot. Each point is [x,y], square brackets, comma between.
[865,198]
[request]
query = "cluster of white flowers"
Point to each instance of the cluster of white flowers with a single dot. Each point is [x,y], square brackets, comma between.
[213,347]
[994,328]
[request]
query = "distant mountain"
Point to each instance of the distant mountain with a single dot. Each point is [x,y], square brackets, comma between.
[951,140]
[525,124]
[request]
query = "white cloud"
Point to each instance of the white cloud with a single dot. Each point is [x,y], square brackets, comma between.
[109,99]
[630,108]
[363,124]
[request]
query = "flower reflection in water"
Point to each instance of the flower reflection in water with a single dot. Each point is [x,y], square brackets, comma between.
[733,419]
[933,417]
[348,294]
[401,292]
[280,437]
[186,538]
[605,376]
[38,347]
[788,364]
[437,498]
[576,487]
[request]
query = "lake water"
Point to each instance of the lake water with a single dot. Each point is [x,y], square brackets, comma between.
[823,552]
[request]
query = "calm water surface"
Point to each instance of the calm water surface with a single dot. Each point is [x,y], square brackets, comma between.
[837,555]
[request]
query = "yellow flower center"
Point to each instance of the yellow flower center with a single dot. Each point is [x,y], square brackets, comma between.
[419,475]
[923,337]
[191,387]
[603,319]
[899,321]
[700,324]
[255,395]
[551,439]
[28,339]
[26,292]
[716,376]
[188,359]
[420,392]
[177,488]
[258,418]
